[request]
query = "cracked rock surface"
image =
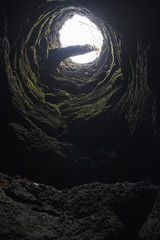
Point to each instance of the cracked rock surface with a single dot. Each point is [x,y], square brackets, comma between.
[92,211]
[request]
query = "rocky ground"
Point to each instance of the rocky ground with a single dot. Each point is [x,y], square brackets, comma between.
[96,211]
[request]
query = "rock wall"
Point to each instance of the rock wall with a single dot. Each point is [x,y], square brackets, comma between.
[77,123]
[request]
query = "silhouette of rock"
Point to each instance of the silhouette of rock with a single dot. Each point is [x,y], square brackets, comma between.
[57,55]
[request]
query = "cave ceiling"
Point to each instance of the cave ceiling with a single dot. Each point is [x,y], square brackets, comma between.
[78,123]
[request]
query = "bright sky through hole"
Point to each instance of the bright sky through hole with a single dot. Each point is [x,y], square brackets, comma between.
[79,30]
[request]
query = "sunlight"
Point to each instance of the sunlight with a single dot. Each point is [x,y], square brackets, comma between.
[79,30]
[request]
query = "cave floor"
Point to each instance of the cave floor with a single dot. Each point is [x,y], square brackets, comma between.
[97,210]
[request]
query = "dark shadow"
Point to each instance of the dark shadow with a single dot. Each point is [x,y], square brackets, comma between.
[134,211]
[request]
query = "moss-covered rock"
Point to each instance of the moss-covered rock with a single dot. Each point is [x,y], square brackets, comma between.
[90,107]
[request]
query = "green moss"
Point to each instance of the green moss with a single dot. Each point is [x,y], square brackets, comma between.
[78,94]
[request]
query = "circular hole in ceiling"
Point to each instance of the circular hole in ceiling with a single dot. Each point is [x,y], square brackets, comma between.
[79,30]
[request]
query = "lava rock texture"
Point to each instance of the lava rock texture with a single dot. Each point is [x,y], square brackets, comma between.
[78,123]
[91,211]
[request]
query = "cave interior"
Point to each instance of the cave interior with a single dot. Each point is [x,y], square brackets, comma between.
[80,143]
[79,123]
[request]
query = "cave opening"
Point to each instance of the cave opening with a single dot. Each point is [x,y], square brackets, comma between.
[79,30]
